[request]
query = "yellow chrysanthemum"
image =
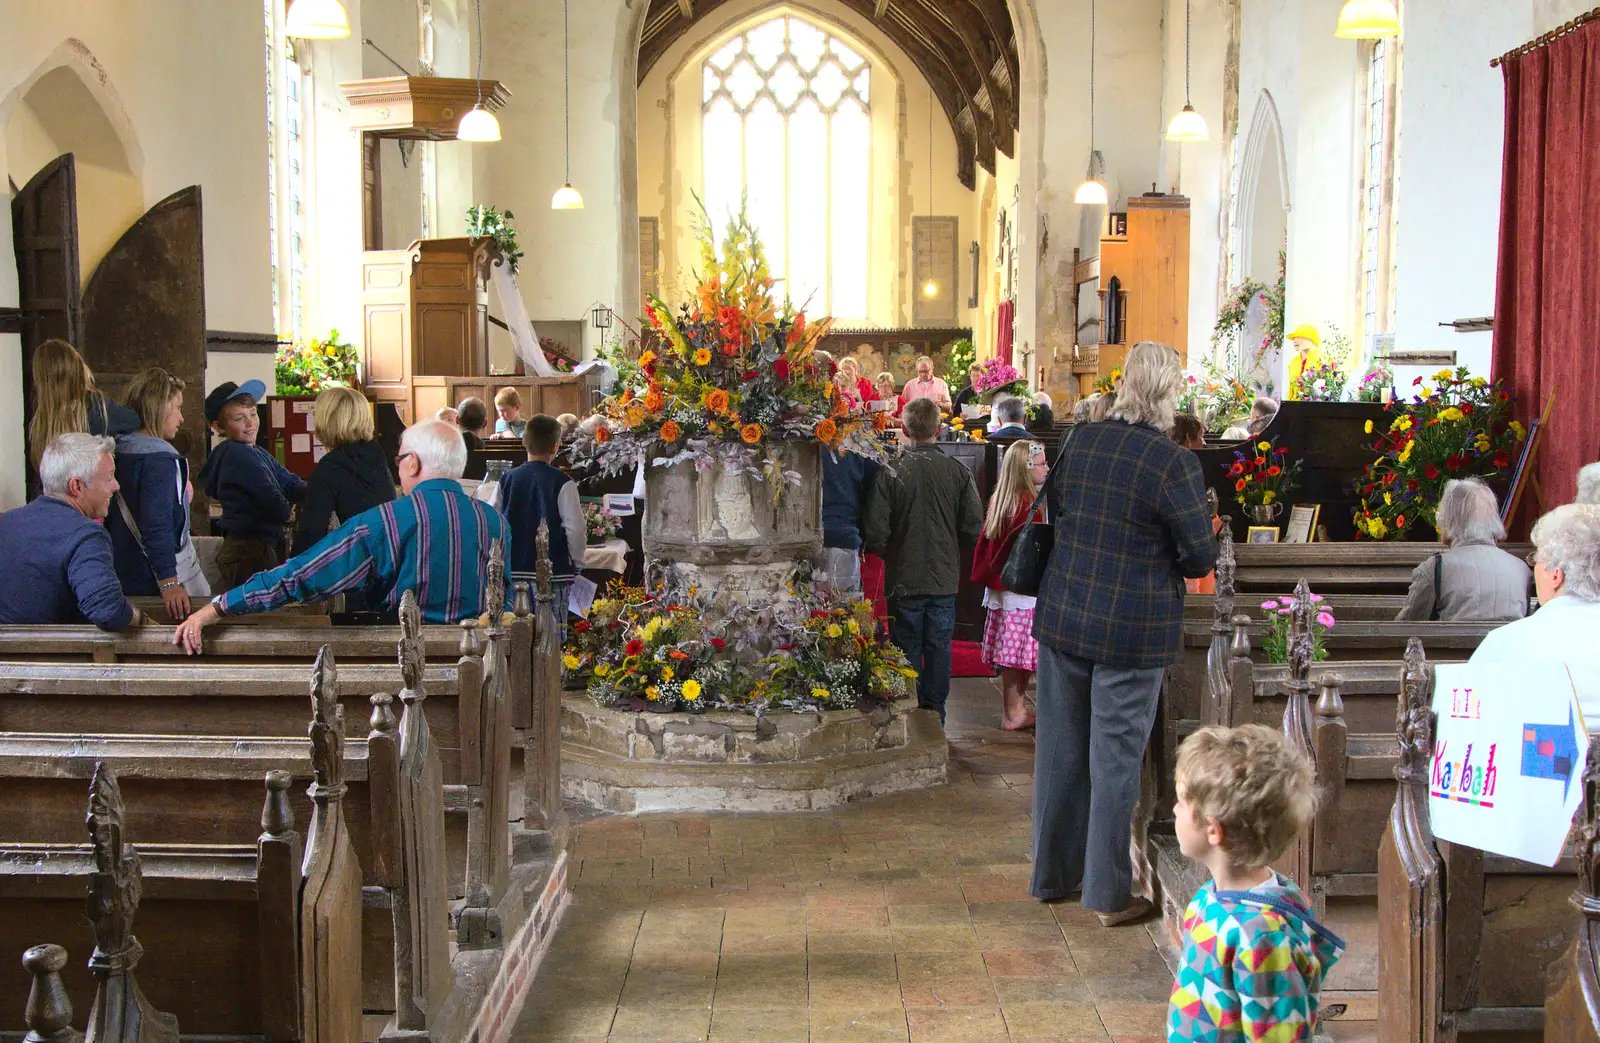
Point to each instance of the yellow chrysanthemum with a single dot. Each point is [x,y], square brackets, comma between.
[1263,446]
[691,690]
[1451,414]
[819,693]
[666,673]
[1518,430]
[652,693]
[1377,528]
[1479,382]
[602,670]
[570,662]
[1405,454]
[1443,374]
[834,630]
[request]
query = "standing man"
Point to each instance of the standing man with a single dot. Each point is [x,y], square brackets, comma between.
[434,540]
[916,520]
[927,386]
[58,555]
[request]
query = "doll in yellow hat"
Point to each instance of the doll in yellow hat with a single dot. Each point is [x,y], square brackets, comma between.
[1307,344]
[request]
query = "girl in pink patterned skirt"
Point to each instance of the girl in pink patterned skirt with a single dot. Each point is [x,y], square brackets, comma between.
[1008,634]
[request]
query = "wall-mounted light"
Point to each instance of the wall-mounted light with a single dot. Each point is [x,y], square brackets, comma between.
[316,20]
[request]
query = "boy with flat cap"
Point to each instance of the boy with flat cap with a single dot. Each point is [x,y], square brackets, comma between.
[254,489]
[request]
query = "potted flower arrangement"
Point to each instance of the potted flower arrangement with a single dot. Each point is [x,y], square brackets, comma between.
[727,377]
[1279,615]
[1263,480]
[1377,385]
[554,355]
[1107,384]
[1216,398]
[599,524]
[1461,428]
[488,221]
[307,367]
[1325,383]
[999,378]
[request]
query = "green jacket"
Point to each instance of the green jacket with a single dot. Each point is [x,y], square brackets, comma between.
[916,520]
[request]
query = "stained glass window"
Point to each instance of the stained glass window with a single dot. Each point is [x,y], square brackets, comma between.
[787,130]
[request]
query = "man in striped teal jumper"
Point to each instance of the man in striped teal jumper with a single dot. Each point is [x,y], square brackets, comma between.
[435,540]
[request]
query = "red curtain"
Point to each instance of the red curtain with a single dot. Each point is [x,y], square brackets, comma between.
[1002,334]
[1547,308]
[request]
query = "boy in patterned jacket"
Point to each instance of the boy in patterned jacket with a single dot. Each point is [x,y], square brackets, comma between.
[1254,960]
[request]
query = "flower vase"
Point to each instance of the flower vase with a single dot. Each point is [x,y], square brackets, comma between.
[1264,513]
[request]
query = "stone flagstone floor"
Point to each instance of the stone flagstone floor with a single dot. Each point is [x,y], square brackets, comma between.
[902,918]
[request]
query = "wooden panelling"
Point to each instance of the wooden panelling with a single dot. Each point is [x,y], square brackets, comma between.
[1152,264]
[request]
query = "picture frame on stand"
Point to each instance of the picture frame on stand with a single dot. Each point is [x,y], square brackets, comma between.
[1302,524]
[1262,534]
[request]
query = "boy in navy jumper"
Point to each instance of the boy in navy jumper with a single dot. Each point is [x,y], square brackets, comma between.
[536,491]
[254,489]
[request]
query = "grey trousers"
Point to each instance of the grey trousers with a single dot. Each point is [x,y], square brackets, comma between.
[1093,724]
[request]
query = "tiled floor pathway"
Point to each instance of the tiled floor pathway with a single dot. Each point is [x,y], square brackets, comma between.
[902,918]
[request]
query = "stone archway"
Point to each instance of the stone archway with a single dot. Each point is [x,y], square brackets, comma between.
[1262,208]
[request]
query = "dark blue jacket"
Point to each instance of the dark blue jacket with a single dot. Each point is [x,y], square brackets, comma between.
[846,477]
[58,568]
[254,489]
[527,496]
[152,475]
[1131,522]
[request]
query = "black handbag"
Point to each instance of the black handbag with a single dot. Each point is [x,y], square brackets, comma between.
[1030,552]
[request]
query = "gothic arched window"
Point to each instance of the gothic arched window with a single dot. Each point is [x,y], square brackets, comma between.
[787,127]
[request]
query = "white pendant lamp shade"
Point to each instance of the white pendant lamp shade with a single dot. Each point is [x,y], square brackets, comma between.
[566,198]
[930,289]
[478,124]
[1188,125]
[1368,20]
[317,20]
[1092,193]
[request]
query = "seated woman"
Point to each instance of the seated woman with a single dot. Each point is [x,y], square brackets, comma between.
[1566,573]
[884,385]
[1473,578]
[1588,484]
[353,475]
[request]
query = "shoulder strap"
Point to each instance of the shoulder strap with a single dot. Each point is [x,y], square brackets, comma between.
[1044,490]
[127,519]
[1438,584]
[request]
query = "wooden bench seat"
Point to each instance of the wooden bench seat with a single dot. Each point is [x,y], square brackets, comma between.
[1360,567]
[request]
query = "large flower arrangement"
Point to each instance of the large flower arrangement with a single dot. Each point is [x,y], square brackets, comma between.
[599,524]
[727,377]
[1461,428]
[483,220]
[306,368]
[654,650]
[1000,378]
[1217,398]
[1265,476]
[1324,383]
[1233,317]
[1108,383]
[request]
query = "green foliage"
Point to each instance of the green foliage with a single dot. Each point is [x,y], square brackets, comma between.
[958,358]
[1242,359]
[305,368]
[485,220]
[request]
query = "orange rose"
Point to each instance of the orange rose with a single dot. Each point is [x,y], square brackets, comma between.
[826,431]
[627,396]
[602,433]
[670,431]
[880,421]
[751,433]
[654,401]
[634,416]
[717,400]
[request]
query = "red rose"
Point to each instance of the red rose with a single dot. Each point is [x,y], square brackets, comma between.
[1502,460]
[1411,484]
[1432,471]
[582,626]
[718,643]
[635,647]
[781,368]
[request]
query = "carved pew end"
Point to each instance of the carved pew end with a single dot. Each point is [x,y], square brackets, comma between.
[49,1011]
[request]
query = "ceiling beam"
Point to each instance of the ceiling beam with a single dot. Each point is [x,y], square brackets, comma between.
[686,8]
[947,50]
[883,9]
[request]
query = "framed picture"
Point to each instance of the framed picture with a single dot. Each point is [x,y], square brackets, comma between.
[1262,534]
[1302,523]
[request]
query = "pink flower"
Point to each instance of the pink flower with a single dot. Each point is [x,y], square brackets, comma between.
[1325,618]
[1270,606]
[1315,598]
[1285,611]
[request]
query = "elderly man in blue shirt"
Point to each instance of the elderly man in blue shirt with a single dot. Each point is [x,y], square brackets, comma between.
[57,554]
[435,540]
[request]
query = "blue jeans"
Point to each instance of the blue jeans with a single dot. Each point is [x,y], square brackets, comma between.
[922,628]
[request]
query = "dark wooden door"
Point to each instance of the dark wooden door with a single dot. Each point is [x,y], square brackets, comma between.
[145,305]
[44,225]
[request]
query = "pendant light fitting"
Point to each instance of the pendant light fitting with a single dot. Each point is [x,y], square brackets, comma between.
[1368,20]
[1092,192]
[316,20]
[566,197]
[479,123]
[1188,125]
[930,288]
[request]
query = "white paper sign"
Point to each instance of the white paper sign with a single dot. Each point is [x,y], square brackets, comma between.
[277,413]
[580,597]
[619,504]
[299,443]
[305,407]
[1506,771]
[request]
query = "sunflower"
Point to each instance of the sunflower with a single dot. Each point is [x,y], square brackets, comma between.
[702,357]
[751,433]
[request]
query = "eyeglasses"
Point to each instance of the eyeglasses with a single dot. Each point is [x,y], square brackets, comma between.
[1533,559]
[402,456]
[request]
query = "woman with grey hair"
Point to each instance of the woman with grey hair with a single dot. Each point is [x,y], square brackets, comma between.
[1566,574]
[1472,578]
[1131,522]
[1588,484]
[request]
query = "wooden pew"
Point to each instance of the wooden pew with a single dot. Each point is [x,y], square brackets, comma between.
[1358,567]
[1466,937]
[255,940]
[1572,1006]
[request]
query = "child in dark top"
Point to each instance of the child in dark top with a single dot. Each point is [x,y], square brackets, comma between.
[536,491]
[472,416]
[254,489]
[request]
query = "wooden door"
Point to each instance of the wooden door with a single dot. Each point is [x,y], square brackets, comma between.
[44,224]
[145,305]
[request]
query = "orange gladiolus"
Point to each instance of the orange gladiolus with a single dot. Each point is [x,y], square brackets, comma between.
[751,433]
[670,431]
[826,431]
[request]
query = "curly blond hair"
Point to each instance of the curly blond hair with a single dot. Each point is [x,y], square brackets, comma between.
[1253,784]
